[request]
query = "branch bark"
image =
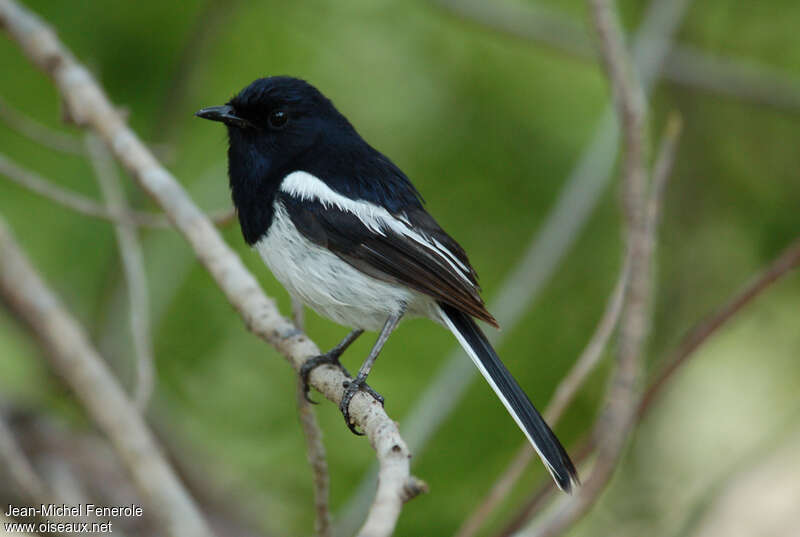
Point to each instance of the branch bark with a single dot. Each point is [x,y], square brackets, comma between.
[74,358]
[314,447]
[88,106]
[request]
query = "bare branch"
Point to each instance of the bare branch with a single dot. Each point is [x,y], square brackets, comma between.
[88,106]
[565,392]
[74,358]
[783,264]
[316,459]
[314,446]
[662,168]
[41,134]
[590,357]
[623,395]
[130,251]
[787,260]
[684,65]
[86,206]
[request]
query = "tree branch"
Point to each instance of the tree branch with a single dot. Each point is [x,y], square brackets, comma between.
[684,65]
[562,397]
[785,262]
[87,206]
[130,251]
[88,106]
[41,134]
[73,357]
[314,446]
[618,418]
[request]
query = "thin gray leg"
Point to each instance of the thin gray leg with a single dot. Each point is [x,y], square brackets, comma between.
[331,357]
[360,382]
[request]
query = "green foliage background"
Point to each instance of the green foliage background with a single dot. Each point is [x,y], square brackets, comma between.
[488,127]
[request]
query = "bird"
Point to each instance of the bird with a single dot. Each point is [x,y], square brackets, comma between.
[344,230]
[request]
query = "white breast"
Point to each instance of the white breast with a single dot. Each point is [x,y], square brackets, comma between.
[327,284]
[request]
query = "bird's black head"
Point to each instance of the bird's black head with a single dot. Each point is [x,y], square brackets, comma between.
[277,119]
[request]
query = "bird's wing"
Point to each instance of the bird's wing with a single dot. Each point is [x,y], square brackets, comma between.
[409,249]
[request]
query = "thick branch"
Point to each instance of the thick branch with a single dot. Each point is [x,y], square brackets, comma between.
[88,106]
[74,358]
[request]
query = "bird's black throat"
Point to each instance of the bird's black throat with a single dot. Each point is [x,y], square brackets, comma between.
[254,184]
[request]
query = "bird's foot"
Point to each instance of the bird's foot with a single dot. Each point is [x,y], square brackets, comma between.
[330,358]
[350,389]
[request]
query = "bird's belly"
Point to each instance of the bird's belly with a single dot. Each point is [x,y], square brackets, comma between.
[330,286]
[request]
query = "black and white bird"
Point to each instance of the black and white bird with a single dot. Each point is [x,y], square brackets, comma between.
[345,232]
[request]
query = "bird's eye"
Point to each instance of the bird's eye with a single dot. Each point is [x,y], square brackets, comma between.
[278,119]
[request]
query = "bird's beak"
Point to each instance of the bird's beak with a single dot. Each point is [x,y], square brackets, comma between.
[225,114]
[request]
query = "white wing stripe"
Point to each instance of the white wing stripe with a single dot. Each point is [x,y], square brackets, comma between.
[308,187]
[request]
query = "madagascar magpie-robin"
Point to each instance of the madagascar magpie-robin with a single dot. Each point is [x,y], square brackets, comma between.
[345,231]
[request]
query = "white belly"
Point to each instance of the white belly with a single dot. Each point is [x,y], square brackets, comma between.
[330,286]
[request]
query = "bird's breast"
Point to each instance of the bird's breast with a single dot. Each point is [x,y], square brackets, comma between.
[326,283]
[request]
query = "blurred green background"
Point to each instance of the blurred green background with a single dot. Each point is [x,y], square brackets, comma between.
[488,126]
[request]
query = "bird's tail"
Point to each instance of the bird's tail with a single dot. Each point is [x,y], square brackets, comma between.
[545,443]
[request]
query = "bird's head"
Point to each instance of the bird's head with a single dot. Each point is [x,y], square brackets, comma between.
[275,120]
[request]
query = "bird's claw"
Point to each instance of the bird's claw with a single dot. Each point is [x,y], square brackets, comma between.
[351,388]
[329,358]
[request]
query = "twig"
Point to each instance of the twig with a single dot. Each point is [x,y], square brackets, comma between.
[88,106]
[316,459]
[86,206]
[130,252]
[684,65]
[570,212]
[562,397]
[74,358]
[618,418]
[787,260]
[39,133]
[314,446]
[593,351]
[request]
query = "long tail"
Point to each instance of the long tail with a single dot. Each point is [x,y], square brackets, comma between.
[545,443]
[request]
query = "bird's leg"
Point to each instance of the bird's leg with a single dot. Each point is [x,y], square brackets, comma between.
[331,357]
[360,382]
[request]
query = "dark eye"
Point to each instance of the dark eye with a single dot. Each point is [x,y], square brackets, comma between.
[278,119]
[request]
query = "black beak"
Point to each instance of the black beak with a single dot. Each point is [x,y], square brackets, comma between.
[225,114]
